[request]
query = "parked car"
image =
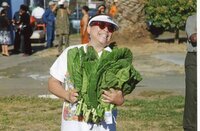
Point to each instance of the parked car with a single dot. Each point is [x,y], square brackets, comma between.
[75,18]
[39,33]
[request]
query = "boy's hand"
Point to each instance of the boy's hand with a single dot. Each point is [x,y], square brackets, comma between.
[113,96]
[72,95]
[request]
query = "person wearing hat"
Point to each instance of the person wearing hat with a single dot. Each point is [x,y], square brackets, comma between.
[100,29]
[62,25]
[49,19]
[4,5]
[5,39]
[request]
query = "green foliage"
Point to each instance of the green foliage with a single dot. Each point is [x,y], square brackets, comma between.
[91,75]
[169,14]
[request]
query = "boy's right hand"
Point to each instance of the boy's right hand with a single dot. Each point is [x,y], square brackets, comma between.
[72,96]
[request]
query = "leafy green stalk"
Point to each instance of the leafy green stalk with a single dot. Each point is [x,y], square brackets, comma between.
[91,75]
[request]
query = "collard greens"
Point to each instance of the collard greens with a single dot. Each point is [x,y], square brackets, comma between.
[91,75]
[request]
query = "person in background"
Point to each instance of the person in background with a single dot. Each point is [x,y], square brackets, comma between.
[37,14]
[26,31]
[62,25]
[16,23]
[4,33]
[83,25]
[190,109]
[113,9]
[98,27]
[49,19]
[5,6]
[101,10]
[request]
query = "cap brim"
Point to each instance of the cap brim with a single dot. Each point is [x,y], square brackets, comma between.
[5,6]
[103,18]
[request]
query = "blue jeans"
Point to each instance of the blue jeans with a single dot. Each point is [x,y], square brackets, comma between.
[50,36]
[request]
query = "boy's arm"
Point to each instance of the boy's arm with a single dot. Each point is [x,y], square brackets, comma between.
[55,87]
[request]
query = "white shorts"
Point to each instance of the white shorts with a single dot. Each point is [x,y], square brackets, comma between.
[83,126]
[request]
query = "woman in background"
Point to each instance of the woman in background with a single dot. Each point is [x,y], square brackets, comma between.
[101,10]
[83,25]
[4,33]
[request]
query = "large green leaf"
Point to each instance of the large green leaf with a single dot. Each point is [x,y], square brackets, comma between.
[91,75]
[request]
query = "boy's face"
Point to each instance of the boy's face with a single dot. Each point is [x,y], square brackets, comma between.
[99,36]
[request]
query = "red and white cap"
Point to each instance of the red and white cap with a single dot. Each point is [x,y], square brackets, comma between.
[103,18]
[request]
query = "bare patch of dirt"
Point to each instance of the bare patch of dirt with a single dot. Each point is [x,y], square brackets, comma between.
[146,45]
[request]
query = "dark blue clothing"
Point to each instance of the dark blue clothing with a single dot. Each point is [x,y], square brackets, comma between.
[50,36]
[17,41]
[16,16]
[49,19]
[26,32]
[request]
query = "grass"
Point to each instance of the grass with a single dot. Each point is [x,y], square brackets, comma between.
[156,114]
[22,113]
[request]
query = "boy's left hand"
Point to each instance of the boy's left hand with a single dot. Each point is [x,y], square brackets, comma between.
[113,96]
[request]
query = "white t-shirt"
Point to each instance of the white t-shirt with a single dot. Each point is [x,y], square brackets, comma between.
[69,120]
[37,12]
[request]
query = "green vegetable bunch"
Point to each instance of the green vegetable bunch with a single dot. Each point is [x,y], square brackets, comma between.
[91,75]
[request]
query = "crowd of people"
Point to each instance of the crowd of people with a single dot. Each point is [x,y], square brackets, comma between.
[55,20]
[21,27]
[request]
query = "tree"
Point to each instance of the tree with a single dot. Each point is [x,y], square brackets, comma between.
[169,14]
[131,19]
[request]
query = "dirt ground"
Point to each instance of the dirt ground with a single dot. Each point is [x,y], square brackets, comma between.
[30,75]
[158,75]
